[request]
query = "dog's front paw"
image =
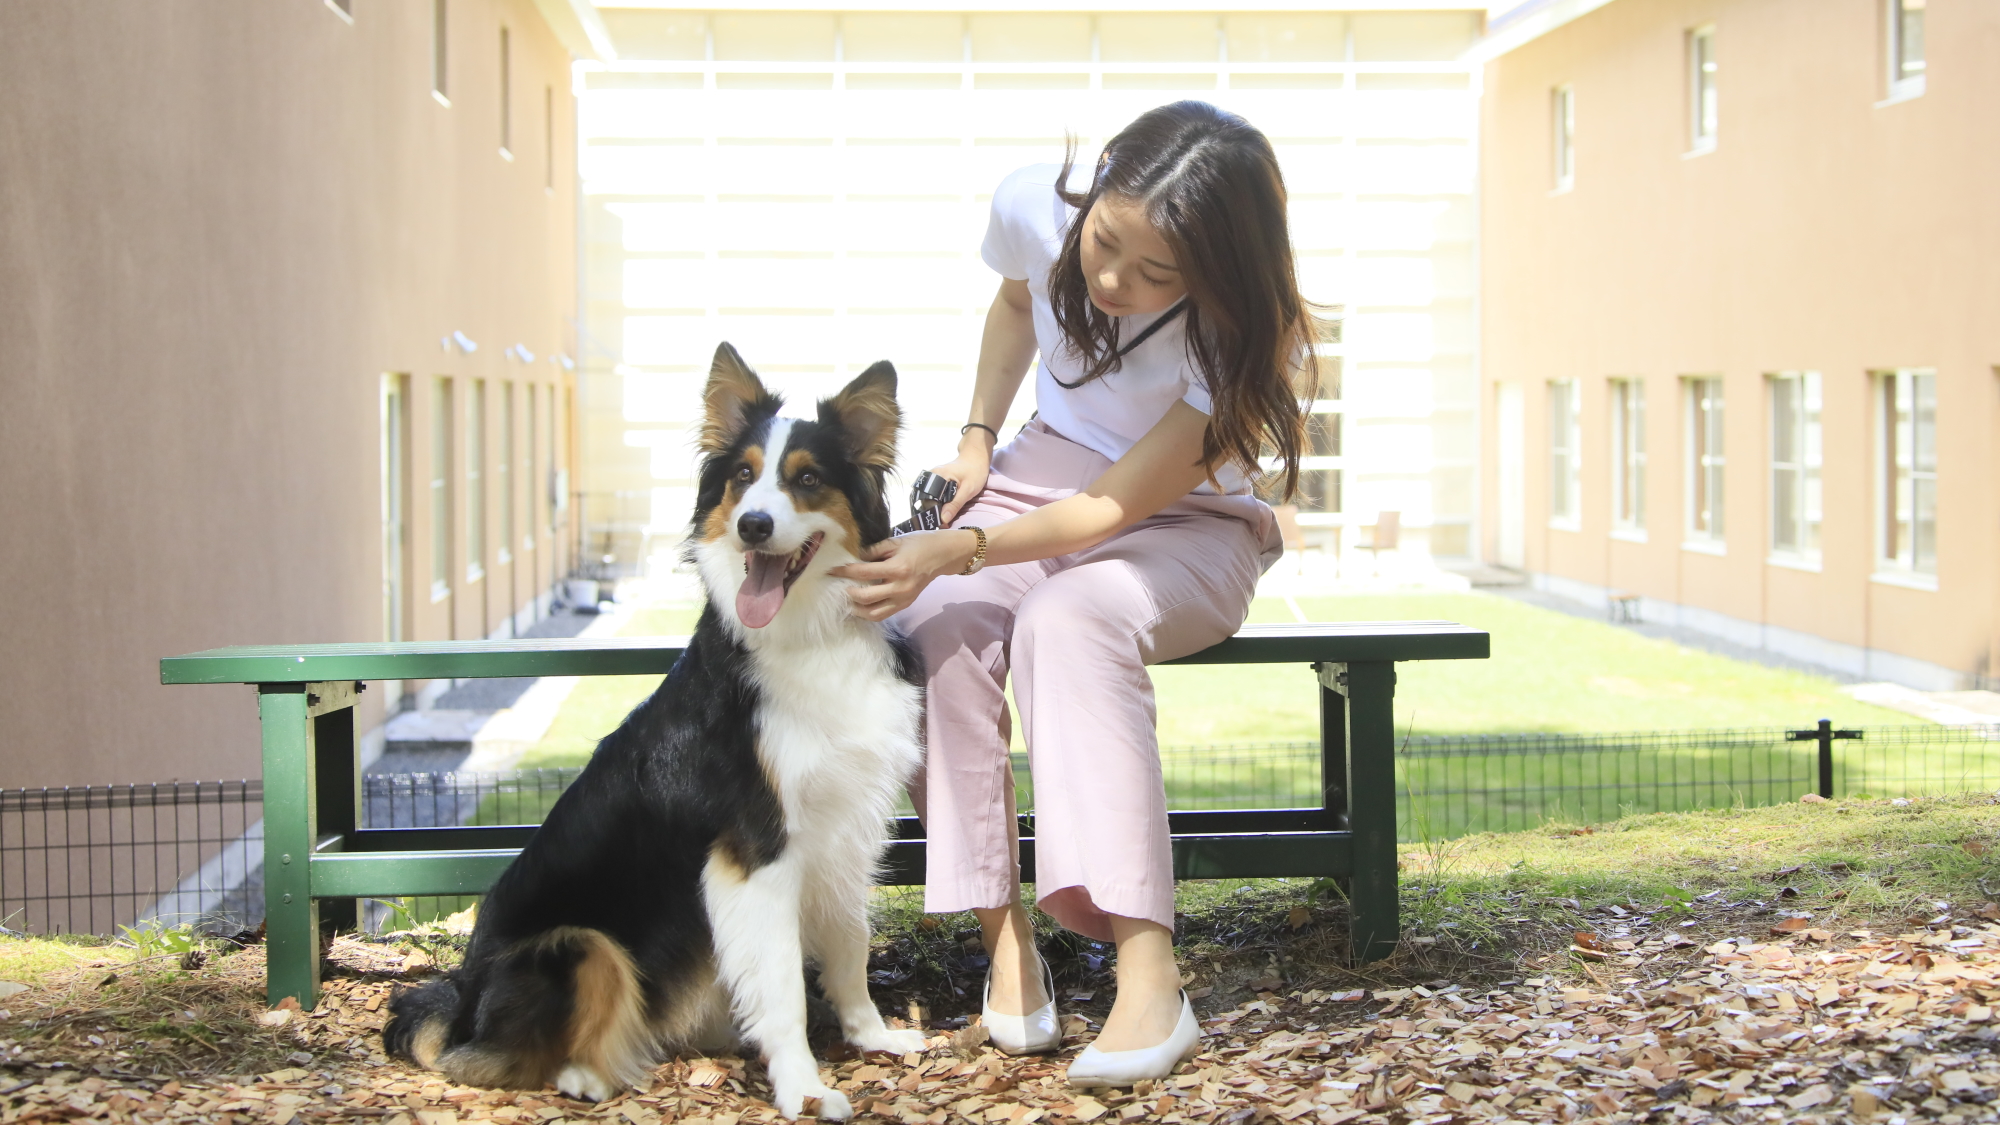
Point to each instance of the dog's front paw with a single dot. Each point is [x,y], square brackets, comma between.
[833,1105]
[890,1040]
[583,1082]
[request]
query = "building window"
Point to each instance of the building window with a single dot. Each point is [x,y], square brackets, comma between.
[1565,447]
[558,475]
[1563,104]
[441,507]
[1320,468]
[1908,461]
[395,501]
[1795,462]
[439,89]
[1705,461]
[1628,455]
[475,483]
[506,98]
[1701,89]
[1906,47]
[535,504]
[505,467]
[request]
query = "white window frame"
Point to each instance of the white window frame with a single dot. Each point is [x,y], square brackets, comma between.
[1905,81]
[1905,478]
[1565,454]
[1562,128]
[1707,464]
[1628,459]
[1797,501]
[1703,114]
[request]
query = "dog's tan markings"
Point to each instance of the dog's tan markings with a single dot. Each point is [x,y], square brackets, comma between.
[427,1042]
[731,391]
[797,462]
[867,413]
[833,503]
[829,502]
[608,1031]
[717,525]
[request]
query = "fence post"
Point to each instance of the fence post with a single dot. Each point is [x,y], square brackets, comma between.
[1826,758]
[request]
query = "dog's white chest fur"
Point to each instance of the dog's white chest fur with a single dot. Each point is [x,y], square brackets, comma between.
[837,729]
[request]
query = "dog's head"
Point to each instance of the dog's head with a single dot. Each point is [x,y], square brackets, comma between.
[783,500]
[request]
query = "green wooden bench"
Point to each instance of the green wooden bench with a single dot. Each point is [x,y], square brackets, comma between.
[318,859]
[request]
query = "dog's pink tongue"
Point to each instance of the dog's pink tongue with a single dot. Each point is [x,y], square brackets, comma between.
[763,590]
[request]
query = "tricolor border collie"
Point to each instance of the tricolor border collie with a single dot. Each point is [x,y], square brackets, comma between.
[729,829]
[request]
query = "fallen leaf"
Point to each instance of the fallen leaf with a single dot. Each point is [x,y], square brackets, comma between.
[1299,916]
[1974,847]
[11,988]
[1792,926]
[1813,799]
[1588,940]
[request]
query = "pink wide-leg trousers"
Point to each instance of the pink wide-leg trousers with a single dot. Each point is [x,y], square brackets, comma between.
[1077,631]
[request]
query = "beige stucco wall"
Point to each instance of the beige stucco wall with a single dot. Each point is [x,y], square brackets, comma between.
[1826,232]
[220,226]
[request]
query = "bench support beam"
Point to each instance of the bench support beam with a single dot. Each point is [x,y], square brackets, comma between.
[291,825]
[1369,696]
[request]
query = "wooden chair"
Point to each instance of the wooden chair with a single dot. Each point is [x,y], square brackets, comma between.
[1382,536]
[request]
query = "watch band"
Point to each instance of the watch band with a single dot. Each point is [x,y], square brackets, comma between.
[978,559]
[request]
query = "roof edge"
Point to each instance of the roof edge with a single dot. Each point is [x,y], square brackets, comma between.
[579,28]
[1528,23]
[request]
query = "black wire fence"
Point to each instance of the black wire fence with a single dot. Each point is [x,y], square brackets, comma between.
[85,860]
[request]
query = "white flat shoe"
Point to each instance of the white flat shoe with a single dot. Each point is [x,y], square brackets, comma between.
[1122,1068]
[1037,1032]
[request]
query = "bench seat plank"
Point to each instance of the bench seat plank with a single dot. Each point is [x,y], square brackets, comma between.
[635,656]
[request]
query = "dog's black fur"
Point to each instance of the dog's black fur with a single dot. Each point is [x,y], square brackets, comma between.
[595,949]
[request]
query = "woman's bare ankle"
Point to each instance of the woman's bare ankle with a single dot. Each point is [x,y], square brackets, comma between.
[1016,973]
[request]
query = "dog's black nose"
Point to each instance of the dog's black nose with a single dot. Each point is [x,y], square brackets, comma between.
[754,527]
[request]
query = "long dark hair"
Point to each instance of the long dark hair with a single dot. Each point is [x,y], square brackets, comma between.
[1210,186]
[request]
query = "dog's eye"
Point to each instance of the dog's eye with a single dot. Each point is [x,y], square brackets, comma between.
[808,479]
[744,474]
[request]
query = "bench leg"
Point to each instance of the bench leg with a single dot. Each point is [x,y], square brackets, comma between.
[1371,808]
[291,941]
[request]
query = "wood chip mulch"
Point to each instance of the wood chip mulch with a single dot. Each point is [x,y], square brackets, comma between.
[1793,1025]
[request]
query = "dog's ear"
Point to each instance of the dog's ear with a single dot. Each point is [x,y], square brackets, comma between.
[866,411]
[733,397]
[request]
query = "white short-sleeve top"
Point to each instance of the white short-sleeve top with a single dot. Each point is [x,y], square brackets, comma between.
[1023,238]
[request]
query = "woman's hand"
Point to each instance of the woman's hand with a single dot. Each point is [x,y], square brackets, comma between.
[898,569]
[970,469]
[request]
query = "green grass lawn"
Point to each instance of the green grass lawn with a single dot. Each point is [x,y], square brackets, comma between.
[1549,672]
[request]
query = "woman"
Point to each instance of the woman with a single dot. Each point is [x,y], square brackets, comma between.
[1116,530]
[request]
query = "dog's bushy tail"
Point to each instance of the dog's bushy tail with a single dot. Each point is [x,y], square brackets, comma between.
[567,998]
[420,1021]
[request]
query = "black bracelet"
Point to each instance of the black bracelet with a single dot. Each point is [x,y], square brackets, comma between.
[981,426]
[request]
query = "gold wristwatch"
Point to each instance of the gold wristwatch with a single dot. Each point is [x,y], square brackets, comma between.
[979,553]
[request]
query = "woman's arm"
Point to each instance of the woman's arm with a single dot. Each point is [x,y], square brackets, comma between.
[1162,467]
[1005,350]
